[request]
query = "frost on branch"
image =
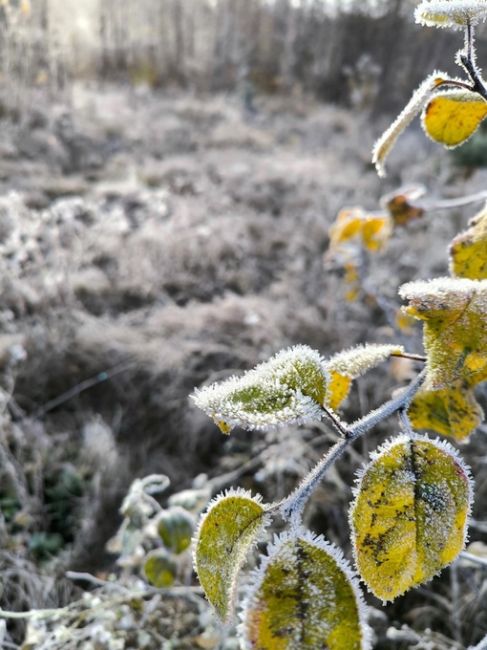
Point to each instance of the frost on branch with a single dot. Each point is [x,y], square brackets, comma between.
[350,364]
[304,596]
[227,531]
[409,517]
[289,388]
[292,387]
[452,117]
[454,315]
[450,13]
[468,251]
[386,142]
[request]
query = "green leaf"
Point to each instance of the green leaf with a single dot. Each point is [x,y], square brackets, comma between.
[304,596]
[175,527]
[409,517]
[226,533]
[288,388]
[160,569]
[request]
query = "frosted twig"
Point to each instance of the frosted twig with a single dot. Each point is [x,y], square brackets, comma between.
[292,507]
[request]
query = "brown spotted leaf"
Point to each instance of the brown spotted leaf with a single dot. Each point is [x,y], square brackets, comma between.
[304,597]
[409,517]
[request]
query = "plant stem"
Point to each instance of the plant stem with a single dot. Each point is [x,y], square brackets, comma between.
[476,559]
[292,507]
[467,59]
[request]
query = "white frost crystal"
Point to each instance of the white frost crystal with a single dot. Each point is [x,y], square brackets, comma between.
[288,388]
[450,13]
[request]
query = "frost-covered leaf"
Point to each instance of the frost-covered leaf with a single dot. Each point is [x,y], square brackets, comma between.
[468,251]
[373,230]
[304,596]
[450,13]
[453,411]
[452,117]
[454,315]
[160,569]
[289,388]
[175,527]
[226,533]
[350,364]
[409,517]
[386,142]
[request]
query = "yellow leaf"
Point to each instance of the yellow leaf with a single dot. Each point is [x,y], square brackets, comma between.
[372,230]
[226,533]
[450,118]
[350,364]
[468,251]
[409,517]
[454,315]
[452,411]
[386,142]
[304,597]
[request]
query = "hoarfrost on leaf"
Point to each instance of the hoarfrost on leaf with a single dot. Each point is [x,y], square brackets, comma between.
[409,518]
[227,531]
[288,388]
[454,315]
[304,595]
[450,13]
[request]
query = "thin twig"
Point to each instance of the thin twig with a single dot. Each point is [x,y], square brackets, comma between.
[99,378]
[292,507]
[476,559]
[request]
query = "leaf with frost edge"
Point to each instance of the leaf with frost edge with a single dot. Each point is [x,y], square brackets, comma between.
[320,542]
[455,13]
[215,401]
[386,142]
[442,445]
[265,522]
[464,96]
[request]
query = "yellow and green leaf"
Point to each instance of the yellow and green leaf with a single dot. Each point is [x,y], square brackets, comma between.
[160,569]
[468,251]
[451,411]
[452,117]
[372,230]
[454,315]
[409,517]
[304,597]
[226,533]
[348,365]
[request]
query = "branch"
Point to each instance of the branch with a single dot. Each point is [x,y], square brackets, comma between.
[467,60]
[293,506]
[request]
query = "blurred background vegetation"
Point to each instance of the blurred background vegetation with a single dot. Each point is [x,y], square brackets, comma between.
[169,171]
